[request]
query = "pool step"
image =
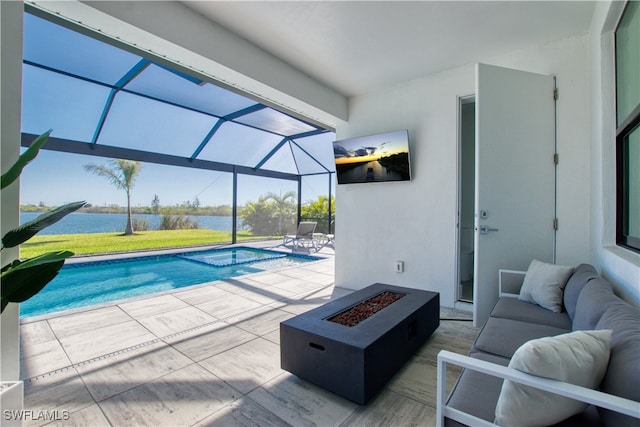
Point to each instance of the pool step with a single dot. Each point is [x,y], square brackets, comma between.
[222,258]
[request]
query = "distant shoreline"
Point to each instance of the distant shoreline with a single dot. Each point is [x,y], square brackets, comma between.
[95,222]
[141,210]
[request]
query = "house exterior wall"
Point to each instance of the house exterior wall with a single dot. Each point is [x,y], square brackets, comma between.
[618,265]
[377,224]
[416,222]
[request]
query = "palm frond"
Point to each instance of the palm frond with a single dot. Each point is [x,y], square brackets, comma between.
[106,172]
[129,169]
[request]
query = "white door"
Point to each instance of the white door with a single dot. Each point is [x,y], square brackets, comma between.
[515,177]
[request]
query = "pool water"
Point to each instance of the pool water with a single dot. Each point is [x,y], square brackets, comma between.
[84,284]
[224,258]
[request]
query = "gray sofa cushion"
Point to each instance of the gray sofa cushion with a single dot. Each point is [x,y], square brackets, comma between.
[580,277]
[502,337]
[595,297]
[514,309]
[590,303]
[477,393]
[623,374]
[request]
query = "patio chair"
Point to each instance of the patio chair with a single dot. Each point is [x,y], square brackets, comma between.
[303,237]
[331,240]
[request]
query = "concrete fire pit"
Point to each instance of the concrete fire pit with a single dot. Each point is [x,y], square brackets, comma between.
[355,362]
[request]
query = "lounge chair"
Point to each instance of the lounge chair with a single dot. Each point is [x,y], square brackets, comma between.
[303,237]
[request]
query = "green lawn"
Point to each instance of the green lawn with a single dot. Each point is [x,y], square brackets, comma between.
[100,243]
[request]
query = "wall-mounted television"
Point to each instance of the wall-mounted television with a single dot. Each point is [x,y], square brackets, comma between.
[374,158]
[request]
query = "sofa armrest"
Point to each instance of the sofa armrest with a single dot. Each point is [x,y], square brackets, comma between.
[510,282]
[583,394]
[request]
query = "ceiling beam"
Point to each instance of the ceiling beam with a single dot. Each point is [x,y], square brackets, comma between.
[75,147]
[124,80]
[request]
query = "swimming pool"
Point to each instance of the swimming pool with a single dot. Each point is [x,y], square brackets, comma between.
[84,284]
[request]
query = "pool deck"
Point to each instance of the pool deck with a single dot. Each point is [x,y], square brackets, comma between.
[208,355]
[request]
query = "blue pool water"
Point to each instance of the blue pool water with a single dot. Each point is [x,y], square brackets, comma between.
[84,284]
[225,258]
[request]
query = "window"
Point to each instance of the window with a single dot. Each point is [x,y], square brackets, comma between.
[628,127]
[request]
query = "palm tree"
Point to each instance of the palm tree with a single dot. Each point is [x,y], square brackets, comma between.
[121,173]
[318,210]
[285,208]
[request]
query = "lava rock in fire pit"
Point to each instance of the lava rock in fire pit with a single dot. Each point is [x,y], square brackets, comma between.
[365,309]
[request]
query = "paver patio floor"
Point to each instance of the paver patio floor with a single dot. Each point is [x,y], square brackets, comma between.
[209,355]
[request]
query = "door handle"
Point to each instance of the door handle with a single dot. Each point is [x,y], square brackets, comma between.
[485,230]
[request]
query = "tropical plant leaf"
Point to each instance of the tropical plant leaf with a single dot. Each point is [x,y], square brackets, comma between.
[26,279]
[46,258]
[41,278]
[35,280]
[26,231]
[14,172]
[12,264]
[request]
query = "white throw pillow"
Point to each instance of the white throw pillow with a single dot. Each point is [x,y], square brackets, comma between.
[579,358]
[544,284]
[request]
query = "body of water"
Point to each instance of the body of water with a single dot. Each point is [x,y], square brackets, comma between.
[369,172]
[80,223]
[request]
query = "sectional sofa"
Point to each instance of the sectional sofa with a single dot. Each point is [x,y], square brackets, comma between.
[555,332]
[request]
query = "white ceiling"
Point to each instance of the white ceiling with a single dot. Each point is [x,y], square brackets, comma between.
[357,47]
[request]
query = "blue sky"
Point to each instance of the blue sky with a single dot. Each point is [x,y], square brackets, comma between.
[371,147]
[56,178]
[73,107]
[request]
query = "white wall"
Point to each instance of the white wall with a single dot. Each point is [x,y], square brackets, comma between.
[10,94]
[618,265]
[415,222]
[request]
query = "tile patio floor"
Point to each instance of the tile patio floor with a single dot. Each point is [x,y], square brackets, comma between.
[208,355]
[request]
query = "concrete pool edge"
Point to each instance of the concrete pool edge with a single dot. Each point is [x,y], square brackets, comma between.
[80,259]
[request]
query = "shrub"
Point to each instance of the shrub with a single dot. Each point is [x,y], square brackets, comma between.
[177,222]
[140,224]
[271,215]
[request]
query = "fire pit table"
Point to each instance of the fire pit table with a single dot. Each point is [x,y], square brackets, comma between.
[353,345]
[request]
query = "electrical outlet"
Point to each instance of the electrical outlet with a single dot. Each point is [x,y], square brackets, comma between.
[399,266]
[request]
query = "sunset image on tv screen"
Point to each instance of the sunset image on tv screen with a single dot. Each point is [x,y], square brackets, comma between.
[375,158]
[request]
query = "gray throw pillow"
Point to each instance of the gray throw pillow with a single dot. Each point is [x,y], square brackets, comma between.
[577,281]
[594,299]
